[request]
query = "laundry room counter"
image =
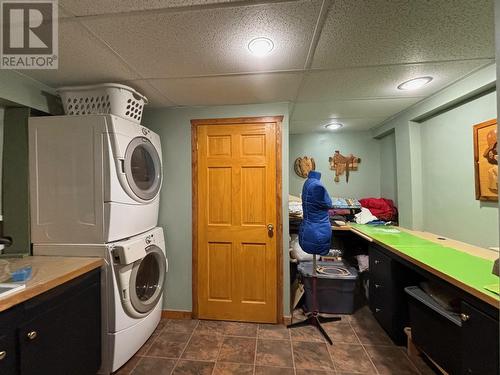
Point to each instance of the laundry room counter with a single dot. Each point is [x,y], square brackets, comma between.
[47,273]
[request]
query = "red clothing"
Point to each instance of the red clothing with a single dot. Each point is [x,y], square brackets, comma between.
[382,208]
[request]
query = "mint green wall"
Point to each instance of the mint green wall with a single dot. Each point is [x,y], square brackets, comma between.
[15,195]
[408,136]
[362,183]
[2,112]
[174,127]
[448,175]
[388,166]
[24,91]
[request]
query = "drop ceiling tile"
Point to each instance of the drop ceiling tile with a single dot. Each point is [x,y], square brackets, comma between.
[211,41]
[238,89]
[382,81]
[95,7]
[377,32]
[155,97]
[305,111]
[350,124]
[63,13]
[82,60]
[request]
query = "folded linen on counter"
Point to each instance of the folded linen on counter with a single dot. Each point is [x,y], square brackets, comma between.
[295,209]
[365,216]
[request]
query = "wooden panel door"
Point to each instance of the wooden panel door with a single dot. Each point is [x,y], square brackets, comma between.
[236,202]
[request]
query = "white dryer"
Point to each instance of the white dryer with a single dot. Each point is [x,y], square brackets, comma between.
[132,290]
[93,178]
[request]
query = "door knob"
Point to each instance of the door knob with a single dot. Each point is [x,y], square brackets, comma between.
[270,230]
[464,317]
[3,354]
[32,335]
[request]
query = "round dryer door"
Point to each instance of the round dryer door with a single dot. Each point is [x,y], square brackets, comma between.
[147,280]
[143,168]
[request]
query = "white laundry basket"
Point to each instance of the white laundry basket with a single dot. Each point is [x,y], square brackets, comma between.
[112,98]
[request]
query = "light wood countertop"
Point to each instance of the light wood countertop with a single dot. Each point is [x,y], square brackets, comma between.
[48,273]
[452,269]
[457,245]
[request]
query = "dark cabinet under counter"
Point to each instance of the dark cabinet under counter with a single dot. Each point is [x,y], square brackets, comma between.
[387,299]
[56,332]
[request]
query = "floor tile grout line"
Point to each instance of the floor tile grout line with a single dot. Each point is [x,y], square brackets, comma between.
[364,349]
[141,357]
[255,353]
[155,338]
[218,353]
[184,349]
[291,349]
[355,333]
[411,362]
[330,354]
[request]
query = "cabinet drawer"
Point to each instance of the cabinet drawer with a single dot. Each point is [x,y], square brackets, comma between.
[479,342]
[8,355]
[8,350]
[381,292]
[63,335]
[380,264]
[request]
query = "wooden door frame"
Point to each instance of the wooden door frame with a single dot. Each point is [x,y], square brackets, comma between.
[278,120]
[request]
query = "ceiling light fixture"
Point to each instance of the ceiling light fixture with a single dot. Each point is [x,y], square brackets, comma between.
[415,83]
[334,126]
[260,46]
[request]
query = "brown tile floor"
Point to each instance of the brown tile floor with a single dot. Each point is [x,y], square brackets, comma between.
[219,348]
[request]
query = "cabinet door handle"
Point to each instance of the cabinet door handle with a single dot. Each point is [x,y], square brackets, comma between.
[464,317]
[377,261]
[32,335]
[3,354]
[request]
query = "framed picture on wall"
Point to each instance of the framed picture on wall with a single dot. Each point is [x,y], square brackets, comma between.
[486,160]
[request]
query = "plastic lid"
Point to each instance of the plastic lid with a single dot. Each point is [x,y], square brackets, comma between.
[329,270]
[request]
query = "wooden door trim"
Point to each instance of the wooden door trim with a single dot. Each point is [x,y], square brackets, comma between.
[278,120]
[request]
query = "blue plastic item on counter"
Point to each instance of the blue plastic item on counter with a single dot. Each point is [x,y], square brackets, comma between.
[22,274]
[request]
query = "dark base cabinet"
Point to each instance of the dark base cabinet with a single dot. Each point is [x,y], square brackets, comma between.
[479,342]
[8,338]
[56,333]
[387,299]
[463,343]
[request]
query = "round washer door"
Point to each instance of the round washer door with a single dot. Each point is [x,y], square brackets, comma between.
[147,280]
[143,168]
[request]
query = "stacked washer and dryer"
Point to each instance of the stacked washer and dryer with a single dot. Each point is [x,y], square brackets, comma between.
[94,186]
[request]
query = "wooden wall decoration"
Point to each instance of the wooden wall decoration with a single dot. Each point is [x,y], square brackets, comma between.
[303,165]
[343,164]
[486,161]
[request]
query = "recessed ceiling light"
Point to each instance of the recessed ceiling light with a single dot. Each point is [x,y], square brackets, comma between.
[260,46]
[334,126]
[415,83]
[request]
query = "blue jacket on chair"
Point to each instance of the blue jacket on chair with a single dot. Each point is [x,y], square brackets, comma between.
[315,232]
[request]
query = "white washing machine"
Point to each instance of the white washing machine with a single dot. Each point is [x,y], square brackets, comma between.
[132,285]
[93,178]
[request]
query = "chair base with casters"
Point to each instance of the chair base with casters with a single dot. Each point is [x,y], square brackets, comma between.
[313,318]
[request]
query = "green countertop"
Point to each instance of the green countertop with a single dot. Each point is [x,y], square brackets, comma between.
[471,271]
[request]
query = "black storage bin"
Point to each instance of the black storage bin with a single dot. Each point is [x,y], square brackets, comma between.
[337,292]
[435,330]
